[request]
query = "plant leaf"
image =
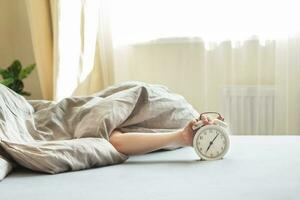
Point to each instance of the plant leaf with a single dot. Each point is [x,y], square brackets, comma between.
[26,71]
[24,93]
[7,81]
[15,68]
[2,70]
[5,73]
[17,86]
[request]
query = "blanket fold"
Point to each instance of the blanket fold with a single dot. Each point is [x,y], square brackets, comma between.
[73,134]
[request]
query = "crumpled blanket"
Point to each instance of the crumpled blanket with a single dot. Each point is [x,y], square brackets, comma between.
[73,134]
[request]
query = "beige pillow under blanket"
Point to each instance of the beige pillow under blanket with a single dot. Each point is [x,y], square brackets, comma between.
[5,166]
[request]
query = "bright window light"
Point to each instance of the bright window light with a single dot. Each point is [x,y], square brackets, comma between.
[212,20]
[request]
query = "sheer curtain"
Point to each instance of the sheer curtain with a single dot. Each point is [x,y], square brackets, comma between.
[241,58]
[83,62]
[39,13]
[72,46]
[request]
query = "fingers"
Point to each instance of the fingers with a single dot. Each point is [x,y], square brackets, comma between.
[206,120]
[192,123]
[203,117]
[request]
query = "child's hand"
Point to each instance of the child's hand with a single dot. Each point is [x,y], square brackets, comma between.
[206,120]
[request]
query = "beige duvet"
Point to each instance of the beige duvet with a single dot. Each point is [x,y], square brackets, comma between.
[73,134]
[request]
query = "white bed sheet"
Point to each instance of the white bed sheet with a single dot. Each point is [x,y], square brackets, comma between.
[256,167]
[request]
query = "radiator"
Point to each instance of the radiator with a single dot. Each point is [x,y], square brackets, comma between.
[249,110]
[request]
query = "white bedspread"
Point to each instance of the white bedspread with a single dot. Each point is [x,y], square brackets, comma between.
[256,168]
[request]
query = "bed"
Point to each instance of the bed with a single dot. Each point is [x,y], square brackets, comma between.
[256,167]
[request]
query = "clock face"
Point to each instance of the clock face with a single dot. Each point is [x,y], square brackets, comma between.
[211,142]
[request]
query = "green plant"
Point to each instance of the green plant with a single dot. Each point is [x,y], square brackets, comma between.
[14,74]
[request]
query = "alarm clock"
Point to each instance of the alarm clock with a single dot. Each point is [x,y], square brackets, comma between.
[211,140]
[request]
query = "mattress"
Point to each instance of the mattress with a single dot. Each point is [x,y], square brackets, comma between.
[256,167]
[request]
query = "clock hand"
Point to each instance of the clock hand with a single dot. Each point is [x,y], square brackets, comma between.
[215,138]
[211,142]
